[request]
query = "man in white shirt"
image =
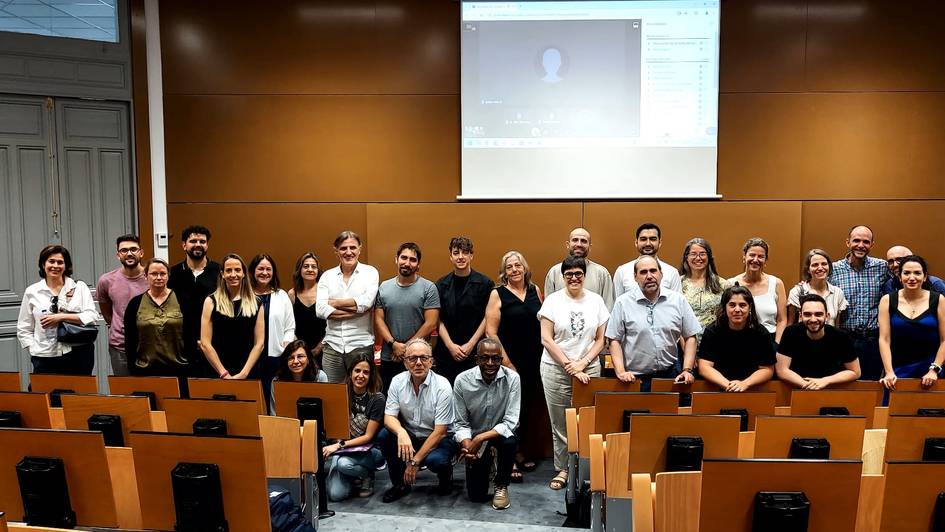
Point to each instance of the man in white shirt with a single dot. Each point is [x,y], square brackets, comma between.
[417,421]
[648,242]
[597,279]
[345,298]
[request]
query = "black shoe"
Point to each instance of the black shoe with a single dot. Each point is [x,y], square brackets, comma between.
[396,493]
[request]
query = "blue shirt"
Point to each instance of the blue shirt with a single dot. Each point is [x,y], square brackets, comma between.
[894,284]
[421,412]
[862,288]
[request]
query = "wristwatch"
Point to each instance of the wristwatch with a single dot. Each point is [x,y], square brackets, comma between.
[412,463]
[342,443]
[936,368]
[689,371]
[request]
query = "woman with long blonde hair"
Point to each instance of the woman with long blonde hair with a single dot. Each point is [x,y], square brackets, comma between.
[232,328]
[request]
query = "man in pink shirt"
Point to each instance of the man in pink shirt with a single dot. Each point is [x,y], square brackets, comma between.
[113,292]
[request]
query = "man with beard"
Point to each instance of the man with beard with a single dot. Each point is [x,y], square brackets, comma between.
[861,278]
[113,292]
[813,355]
[648,242]
[597,279]
[646,327]
[192,280]
[893,283]
[408,307]
[487,401]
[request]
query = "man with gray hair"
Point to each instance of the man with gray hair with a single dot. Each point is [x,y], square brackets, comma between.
[487,401]
[417,420]
[646,327]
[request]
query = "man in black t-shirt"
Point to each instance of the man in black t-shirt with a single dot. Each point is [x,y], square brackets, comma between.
[813,355]
[193,279]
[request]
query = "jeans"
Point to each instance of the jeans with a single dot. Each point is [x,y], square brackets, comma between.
[477,471]
[866,347]
[336,364]
[343,469]
[79,361]
[119,361]
[439,460]
[557,385]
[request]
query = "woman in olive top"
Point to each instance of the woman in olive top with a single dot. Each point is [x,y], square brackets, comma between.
[736,351]
[154,327]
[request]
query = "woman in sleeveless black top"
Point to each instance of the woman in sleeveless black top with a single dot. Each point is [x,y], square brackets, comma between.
[512,317]
[232,331]
[308,326]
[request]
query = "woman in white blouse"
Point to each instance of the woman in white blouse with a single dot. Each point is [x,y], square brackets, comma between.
[280,320]
[55,299]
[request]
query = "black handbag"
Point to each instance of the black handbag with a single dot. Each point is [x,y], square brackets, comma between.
[72,334]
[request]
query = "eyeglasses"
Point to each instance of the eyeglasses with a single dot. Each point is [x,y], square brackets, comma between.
[573,275]
[54,304]
[698,255]
[414,359]
[128,251]
[486,359]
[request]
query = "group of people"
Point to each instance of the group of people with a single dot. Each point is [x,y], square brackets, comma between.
[504,354]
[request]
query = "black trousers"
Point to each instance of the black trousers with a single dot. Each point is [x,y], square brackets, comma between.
[477,471]
[79,361]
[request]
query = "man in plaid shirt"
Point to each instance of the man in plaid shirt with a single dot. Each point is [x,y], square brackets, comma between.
[861,277]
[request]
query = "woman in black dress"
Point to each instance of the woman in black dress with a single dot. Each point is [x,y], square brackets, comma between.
[232,328]
[308,326]
[512,317]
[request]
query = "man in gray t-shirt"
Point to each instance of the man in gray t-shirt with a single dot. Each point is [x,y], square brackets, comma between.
[408,307]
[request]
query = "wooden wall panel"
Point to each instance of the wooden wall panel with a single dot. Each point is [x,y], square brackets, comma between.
[916,224]
[285,231]
[142,137]
[537,230]
[312,148]
[831,145]
[872,45]
[305,47]
[762,46]
[726,225]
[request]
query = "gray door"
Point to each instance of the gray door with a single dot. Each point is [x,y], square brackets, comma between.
[65,167]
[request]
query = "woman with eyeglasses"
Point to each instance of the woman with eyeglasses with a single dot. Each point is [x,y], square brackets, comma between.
[573,321]
[56,298]
[154,327]
[232,328]
[511,317]
[701,285]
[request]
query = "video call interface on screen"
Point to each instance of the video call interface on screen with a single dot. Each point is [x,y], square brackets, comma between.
[622,76]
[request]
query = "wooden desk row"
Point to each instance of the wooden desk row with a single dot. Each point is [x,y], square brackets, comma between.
[284,450]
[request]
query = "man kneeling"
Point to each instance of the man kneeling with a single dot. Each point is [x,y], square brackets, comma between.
[417,419]
[486,400]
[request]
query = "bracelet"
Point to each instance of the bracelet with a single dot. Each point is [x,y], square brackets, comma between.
[225,374]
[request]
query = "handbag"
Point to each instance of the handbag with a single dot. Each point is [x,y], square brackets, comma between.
[72,334]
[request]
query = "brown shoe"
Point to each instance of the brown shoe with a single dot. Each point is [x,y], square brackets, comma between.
[500,499]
